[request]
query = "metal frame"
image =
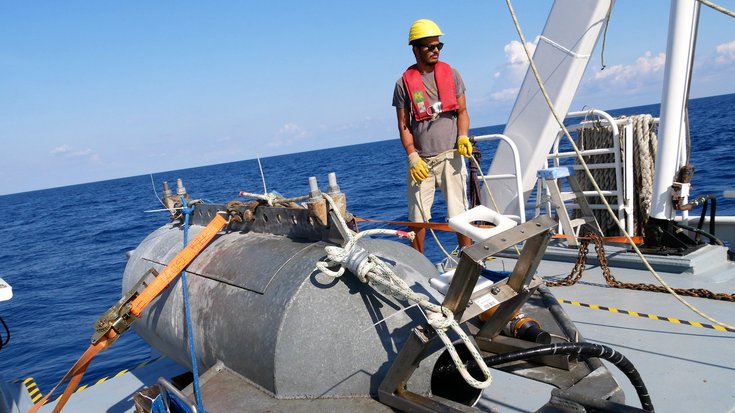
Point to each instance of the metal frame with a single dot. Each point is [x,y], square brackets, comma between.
[521,217]
[512,294]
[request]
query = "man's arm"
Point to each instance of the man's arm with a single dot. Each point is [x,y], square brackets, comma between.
[404,129]
[463,117]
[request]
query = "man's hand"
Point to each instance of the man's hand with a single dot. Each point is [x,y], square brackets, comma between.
[464,147]
[419,169]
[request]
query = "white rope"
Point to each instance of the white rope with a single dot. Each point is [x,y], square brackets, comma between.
[717,7]
[563,49]
[592,180]
[433,233]
[272,198]
[372,270]
[430,164]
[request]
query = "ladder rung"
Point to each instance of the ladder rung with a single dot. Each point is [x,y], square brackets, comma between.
[579,221]
[499,176]
[591,193]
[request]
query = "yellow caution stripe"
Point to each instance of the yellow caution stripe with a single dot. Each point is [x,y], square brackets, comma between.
[644,315]
[33,389]
[36,394]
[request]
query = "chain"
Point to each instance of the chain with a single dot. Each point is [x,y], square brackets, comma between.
[579,267]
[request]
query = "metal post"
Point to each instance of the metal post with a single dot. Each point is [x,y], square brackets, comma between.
[672,129]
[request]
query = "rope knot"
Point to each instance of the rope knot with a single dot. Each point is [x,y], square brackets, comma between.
[442,320]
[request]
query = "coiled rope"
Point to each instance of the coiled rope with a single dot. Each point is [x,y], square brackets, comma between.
[371,270]
[644,141]
[559,121]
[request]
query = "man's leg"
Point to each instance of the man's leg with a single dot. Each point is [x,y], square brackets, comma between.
[453,185]
[420,200]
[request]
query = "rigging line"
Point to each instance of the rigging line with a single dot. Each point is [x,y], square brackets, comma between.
[717,7]
[604,36]
[262,176]
[540,83]
[436,238]
[153,185]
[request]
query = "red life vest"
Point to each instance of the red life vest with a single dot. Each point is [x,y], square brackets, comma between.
[417,92]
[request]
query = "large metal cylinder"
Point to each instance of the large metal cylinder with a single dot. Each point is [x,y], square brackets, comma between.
[259,306]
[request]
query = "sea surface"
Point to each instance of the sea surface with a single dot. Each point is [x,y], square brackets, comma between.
[63,250]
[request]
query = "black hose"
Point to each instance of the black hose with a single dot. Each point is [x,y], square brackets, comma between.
[7,334]
[712,238]
[701,220]
[713,214]
[580,349]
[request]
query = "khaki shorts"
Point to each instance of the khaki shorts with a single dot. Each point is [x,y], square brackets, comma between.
[447,171]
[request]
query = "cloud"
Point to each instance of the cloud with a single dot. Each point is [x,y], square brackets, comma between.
[60,150]
[505,95]
[725,53]
[67,152]
[508,78]
[288,134]
[516,55]
[647,68]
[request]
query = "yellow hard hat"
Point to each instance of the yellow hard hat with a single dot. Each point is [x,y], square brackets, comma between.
[423,28]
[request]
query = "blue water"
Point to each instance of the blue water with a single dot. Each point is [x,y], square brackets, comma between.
[63,249]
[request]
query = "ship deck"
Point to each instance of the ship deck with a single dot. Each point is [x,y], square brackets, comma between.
[685,360]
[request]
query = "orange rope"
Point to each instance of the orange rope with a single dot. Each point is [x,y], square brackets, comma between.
[445,227]
[156,287]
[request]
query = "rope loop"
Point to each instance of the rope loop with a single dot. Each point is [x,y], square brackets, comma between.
[370,269]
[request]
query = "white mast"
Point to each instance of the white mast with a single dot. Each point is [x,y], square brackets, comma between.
[673,127]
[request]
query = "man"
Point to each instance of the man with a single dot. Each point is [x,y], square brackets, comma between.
[433,123]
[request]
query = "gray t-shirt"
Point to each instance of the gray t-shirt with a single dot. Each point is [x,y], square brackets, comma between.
[431,137]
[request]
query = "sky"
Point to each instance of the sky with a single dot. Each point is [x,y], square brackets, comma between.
[91,91]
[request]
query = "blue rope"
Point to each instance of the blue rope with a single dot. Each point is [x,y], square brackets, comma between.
[194,369]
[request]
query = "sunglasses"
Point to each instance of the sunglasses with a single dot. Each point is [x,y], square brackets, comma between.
[431,47]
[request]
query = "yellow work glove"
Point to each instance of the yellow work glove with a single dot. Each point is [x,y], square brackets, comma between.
[419,169]
[464,147]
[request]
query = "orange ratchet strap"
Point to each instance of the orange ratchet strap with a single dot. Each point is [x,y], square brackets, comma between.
[132,311]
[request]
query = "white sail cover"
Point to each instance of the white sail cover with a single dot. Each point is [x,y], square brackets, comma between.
[561,56]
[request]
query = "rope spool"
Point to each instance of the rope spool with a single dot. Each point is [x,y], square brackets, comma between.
[598,136]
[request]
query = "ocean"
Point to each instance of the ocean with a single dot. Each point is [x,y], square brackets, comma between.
[64,249]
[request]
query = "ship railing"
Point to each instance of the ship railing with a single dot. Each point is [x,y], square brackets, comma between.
[622,189]
[516,176]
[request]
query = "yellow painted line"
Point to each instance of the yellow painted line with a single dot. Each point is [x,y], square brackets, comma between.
[35,393]
[644,315]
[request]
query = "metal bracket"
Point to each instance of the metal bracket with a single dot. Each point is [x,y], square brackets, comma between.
[512,294]
[119,317]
